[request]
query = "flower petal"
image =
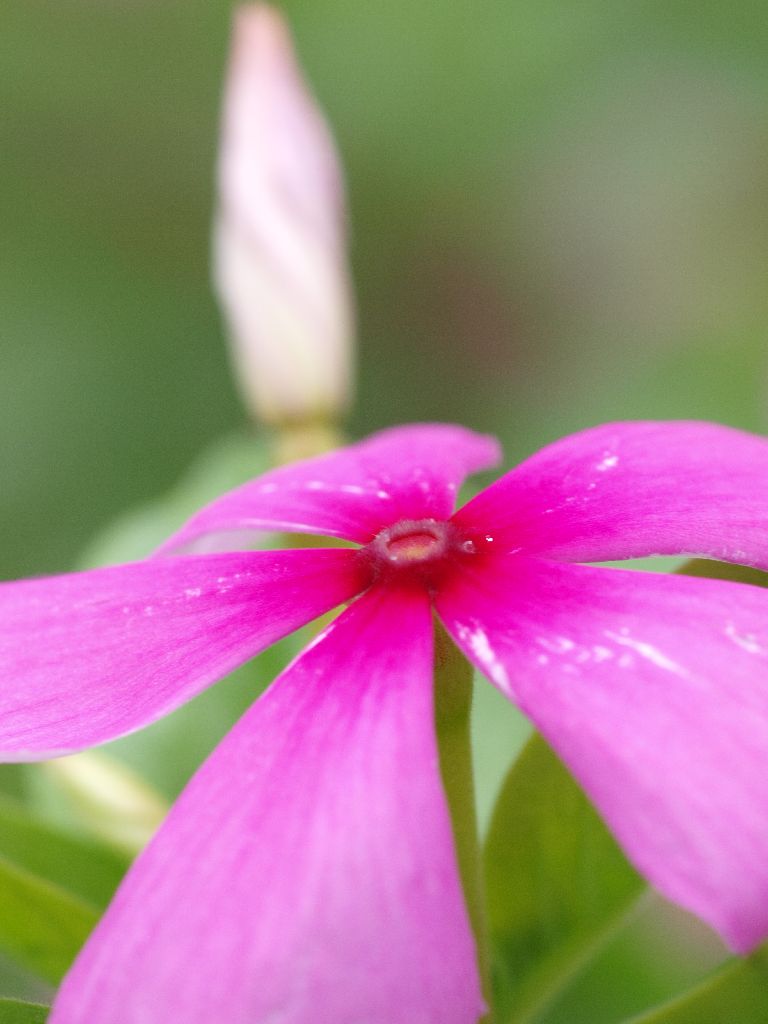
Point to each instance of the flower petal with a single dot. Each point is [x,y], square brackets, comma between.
[654,691]
[307,873]
[403,473]
[626,490]
[93,655]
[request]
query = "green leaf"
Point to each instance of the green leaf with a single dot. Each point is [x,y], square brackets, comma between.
[228,462]
[86,869]
[705,567]
[557,884]
[13,1011]
[52,887]
[42,927]
[737,993]
[13,780]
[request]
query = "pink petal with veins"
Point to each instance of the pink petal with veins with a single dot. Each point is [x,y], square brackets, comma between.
[88,657]
[654,691]
[307,873]
[626,490]
[411,472]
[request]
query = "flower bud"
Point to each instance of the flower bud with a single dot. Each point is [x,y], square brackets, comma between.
[280,241]
[107,796]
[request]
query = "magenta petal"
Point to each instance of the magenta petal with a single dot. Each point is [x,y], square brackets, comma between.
[403,473]
[654,691]
[87,657]
[307,873]
[626,490]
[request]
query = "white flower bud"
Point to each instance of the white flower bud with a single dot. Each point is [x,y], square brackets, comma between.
[280,240]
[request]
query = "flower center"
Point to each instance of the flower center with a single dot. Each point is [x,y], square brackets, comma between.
[411,542]
[417,549]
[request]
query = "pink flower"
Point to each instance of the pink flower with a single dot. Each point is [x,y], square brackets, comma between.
[308,873]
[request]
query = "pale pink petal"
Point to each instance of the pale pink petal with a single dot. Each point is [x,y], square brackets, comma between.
[280,247]
[631,489]
[307,873]
[88,657]
[654,691]
[411,472]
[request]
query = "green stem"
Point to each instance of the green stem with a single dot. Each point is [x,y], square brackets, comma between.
[453,705]
[294,441]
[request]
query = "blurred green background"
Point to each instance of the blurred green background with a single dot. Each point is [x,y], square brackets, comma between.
[559,216]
